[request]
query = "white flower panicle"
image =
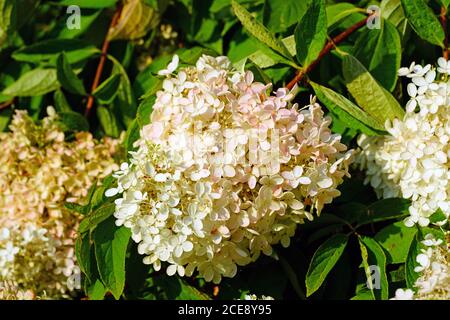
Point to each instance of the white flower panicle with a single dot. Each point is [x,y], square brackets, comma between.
[39,172]
[412,162]
[434,272]
[224,171]
[255,297]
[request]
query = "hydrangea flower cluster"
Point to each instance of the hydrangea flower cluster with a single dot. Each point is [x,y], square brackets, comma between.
[224,170]
[412,162]
[39,172]
[8,291]
[434,268]
[255,297]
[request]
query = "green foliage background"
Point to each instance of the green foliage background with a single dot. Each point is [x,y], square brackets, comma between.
[42,63]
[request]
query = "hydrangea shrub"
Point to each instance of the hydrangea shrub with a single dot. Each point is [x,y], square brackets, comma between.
[251,150]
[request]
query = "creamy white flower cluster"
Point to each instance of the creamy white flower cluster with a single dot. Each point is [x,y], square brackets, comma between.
[9,291]
[255,297]
[30,255]
[434,268]
[412,162]
[39,172]
[224,171]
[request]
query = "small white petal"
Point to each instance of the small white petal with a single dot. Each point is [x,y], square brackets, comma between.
[412,90]
[403,72]
[442,62]
[304,180]
[187,246]
[419,81]
[111,192]
[411,105]
[423,260]
[171,270]
[160,177]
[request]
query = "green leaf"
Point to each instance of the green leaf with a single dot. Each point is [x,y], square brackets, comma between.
[110,250]
[259,31]
[36,82]
[376,257]
[145,110]
[73,121]
[311,33]
[411,275]
[107,91]
[24,10]
[396,239]
[261,55]
[67,77]
[124,101]
[88,3]
[342,123]
[385,209]
[61,103]
[392,11]
[83,254]
[96,217]
[324,232]
[5,118]
[436,232]
[133,134]
[189,292]
[87,19]
[265,58]
[398,275]
[445,3]
[136,19]
[244,48]
[380,51]
[368,291]
[13,15]
[146,84]
[424,21]
[364,294]
[77,207]
[191,55]
[49,50]
[175,288]
[354,116]
[98,197]
[339,11]
[289,43]
[278,17]
[368,93]
[6,19]
[438,216]
[108,121]
[258,73]
[323,261]
[96,291]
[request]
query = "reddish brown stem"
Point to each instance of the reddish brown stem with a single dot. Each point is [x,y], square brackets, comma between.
[326,49]
[101,64]
[443,19]
[6,104]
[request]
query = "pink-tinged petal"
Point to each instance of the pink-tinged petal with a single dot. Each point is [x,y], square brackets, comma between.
[153,131]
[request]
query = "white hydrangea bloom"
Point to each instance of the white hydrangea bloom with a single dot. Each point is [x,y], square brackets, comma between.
[255,297]
[224,171]
[403,294]
[434,269]
[412,162]
[39,172]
